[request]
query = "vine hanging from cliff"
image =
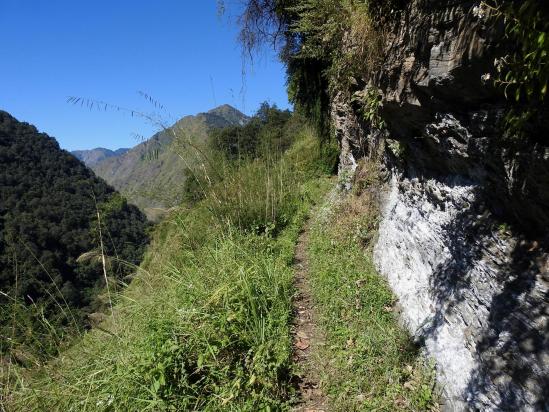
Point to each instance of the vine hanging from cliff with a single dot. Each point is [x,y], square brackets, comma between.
[523,73]
[328,46]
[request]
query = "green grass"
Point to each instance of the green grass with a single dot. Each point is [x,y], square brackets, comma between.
[205,323]
[368,362]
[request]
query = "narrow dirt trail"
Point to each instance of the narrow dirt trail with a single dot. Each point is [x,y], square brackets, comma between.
[306,334]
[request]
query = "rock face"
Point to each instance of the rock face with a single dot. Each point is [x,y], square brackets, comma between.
[472,293]
[464,230]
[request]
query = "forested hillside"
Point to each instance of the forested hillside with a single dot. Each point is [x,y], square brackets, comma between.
[51,272]
[152,174]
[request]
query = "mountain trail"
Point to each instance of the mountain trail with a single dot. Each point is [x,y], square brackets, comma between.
[307,336]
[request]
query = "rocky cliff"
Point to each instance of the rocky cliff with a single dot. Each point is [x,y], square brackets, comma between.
[464,229]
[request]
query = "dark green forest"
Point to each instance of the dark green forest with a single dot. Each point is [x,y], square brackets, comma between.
[51,266]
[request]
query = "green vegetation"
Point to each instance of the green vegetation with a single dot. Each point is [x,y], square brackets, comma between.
[263,133]
[205,322]
[239,159]
[523,74]
[367,363]
[51,272]
[330,47]
[369,103]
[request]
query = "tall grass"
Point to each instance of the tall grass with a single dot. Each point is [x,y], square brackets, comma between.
[204,325]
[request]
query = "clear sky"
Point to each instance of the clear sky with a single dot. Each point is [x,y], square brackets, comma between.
[180,52]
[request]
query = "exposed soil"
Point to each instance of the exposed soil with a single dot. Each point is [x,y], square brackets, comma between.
[307,336]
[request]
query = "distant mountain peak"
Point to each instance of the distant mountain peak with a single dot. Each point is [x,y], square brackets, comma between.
[94,156]
[229,113]
[152,182]
[225,108]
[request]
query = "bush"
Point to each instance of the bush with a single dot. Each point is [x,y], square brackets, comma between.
[328,46]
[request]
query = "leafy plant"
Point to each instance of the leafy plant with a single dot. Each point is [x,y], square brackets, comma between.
[523,74]
[328,46]
[369,101]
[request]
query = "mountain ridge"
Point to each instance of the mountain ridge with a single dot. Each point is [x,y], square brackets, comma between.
[94,156]
[152,173]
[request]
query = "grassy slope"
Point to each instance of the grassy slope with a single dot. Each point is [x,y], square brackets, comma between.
[205,323]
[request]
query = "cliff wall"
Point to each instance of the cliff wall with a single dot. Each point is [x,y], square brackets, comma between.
[464,229]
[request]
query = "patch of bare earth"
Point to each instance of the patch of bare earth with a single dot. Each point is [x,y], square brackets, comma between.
[307,336]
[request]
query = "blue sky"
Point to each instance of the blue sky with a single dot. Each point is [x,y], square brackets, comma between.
[180,52]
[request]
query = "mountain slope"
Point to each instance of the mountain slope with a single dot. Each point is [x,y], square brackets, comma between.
[207,323]
[151,175]
[94,156]
[48,221]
